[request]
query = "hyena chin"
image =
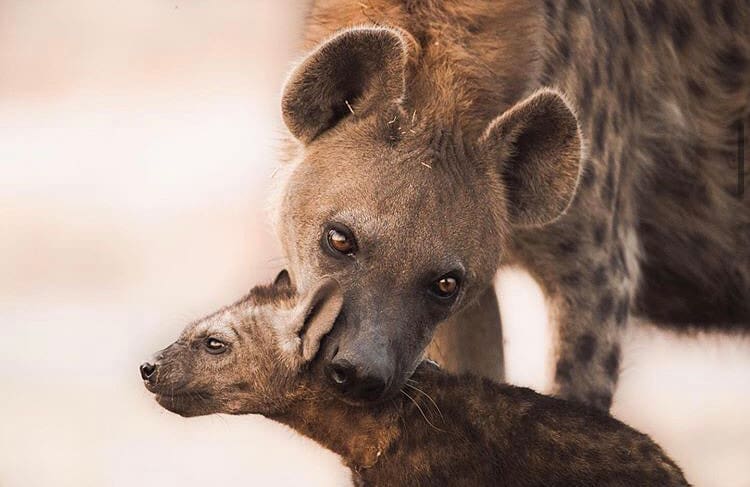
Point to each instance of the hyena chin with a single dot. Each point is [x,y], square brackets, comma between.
[260,355]
[433,142]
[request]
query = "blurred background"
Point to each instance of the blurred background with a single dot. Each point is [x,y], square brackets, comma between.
[138,144]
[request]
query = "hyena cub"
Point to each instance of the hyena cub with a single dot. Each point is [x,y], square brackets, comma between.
[258,356]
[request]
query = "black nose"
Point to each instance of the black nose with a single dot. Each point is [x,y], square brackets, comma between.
[348,380]
[147,370]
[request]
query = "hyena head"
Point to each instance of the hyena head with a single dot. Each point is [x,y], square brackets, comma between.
[248,357]
[406,214]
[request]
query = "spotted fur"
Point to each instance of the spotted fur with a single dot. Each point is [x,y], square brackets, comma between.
[656,228]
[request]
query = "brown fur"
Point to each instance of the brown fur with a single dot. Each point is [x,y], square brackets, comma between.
[441,430]
[658,88]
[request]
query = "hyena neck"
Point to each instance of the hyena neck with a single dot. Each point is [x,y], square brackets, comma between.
[359,434]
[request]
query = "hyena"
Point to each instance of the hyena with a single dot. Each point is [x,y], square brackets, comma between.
[259,355]
[592,144]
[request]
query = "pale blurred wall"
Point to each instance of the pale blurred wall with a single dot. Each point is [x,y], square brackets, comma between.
[137,144]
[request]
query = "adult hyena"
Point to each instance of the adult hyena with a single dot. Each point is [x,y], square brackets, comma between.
[425,157]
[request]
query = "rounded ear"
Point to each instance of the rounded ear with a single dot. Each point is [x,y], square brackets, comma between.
[356,71]
[320,309]
[535,147]
[300,332]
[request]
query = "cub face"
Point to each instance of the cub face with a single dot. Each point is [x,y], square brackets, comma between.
[247,357]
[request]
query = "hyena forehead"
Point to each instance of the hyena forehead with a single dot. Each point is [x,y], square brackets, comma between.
[258,307]
[226,322]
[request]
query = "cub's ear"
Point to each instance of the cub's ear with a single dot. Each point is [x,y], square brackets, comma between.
[311,320]
[358,70]
[283,280]
[535,147]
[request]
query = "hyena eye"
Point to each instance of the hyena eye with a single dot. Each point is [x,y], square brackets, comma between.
[214,346]
[445,287]
[340,240]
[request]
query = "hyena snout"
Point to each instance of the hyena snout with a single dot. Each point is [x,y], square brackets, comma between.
[360,375]
[356,383]
[147,370]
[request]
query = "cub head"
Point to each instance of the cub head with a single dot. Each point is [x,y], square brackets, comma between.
[404,210]
[248,357]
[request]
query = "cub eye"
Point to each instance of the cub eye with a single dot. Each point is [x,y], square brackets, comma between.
[340,240]
[445,287]
[214,346]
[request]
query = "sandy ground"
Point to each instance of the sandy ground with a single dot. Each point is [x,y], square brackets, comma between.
[137,148]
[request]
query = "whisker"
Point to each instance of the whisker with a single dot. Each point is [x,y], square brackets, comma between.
[421,411]
[430,398]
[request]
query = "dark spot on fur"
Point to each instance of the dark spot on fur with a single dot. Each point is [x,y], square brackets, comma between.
[571,278]
[621,313]
[610,70]
[585,348]
[600,125]
[708,11]
[585,94]
[630,33]
[600,276]
[732,62]
[562,372]
[728,13]
[612,362]
[589,175]
[564,49]
[243,386]
[607,191]
[696,89]
[575,5]
[596,74]
[605,307]
[615,122]
[550,8]
[654,18]
[682,30]
[633,100]
[568,247]
[474,27]
[600,232]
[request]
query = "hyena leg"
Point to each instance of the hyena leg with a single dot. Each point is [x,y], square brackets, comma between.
[588,274]
[472,340]
[590,318]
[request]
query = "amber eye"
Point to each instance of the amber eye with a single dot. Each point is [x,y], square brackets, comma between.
[341,240]
[445,287]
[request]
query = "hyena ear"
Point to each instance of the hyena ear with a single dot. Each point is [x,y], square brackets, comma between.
[536,148]
[283,280]
[358,70]
[312,319]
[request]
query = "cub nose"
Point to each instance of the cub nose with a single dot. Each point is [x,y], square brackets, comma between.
[147,370]
[349,381]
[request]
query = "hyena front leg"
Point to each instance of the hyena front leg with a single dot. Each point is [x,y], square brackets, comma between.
[587,270]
